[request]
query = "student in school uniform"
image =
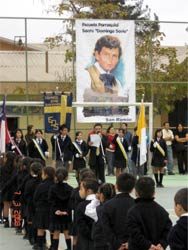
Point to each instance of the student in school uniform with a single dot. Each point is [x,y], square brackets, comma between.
[7,171]
[97,154]
[60,209]
[148,223]
[17,178]
[79,150]
[38,147]
[29,191]
[28,175]
[10,184]
[95,211]
[121,150]
[110,150]
[128,137]
[30,134]
[62,147]
[115,212]
[22,178]
[1,202]
[84,173]
[159,157]
[177,237]
[18,145]
[42,206]
[135,154]
[14,183]
[88,190]
[25,166]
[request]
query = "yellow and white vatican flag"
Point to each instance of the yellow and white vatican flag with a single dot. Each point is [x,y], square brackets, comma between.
[141,132]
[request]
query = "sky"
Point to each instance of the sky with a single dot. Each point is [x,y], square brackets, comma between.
[167,10]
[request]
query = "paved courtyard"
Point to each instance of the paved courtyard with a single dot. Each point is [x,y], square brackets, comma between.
[10,241]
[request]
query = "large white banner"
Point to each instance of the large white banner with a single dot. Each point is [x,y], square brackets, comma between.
[105,69]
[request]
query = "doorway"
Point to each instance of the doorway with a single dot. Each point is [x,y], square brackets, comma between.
[12,123]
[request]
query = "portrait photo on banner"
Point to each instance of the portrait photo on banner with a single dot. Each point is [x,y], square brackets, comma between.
[105,69]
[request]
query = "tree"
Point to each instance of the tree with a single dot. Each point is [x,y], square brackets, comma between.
[109,9]
[160,76]
[101,9]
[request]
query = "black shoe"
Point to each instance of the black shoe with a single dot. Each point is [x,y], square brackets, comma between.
[171,173]
[32,241]
[161,185]
[25,237]
[35,246]
[41,248]
[158,185]
[19,231]
[6,224]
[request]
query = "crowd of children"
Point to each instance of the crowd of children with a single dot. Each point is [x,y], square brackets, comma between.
[93,216]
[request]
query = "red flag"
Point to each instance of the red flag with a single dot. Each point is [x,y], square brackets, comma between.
[5,137]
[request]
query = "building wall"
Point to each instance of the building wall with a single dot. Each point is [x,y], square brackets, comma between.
[10,45]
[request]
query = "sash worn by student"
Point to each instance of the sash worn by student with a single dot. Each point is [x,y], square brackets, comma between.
[122,148]
[39,150]
[120,152]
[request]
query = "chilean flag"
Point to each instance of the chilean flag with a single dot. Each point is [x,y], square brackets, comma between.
[4,132]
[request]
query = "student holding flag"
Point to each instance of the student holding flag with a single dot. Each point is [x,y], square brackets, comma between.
[80,150]
[139,145]
[38,147]
[97,151]
[18,144]
[62,147]
[121,149]
[136,169]
[159,158]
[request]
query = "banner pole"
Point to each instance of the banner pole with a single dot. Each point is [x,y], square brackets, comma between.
[150,137]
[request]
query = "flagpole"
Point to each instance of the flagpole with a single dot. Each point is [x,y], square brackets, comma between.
[142,100]
[138,152]
[5,137]
[147,154]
